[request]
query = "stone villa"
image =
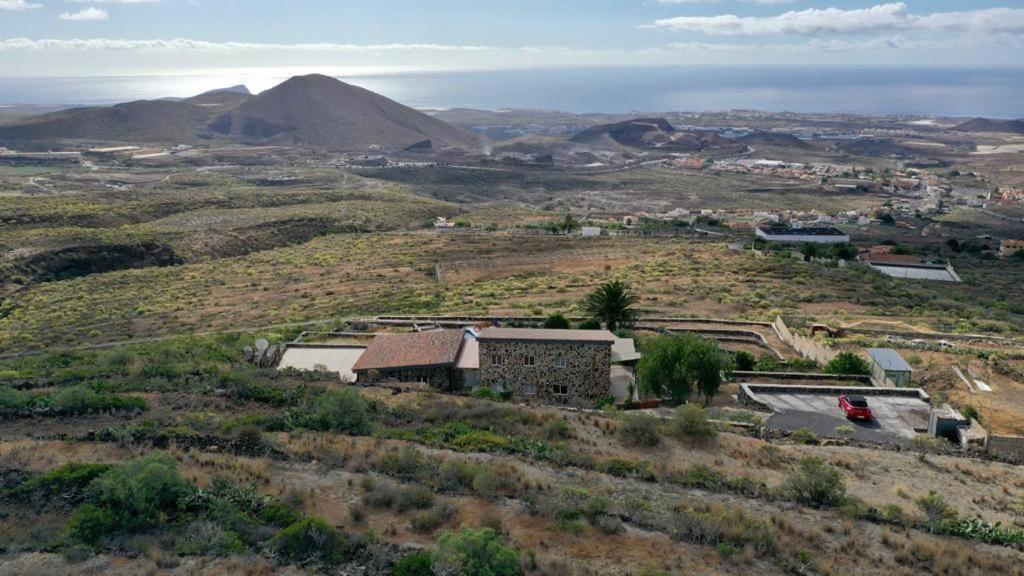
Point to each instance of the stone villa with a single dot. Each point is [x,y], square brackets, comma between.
[534,365]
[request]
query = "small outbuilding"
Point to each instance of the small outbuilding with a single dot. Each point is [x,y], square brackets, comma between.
[888,368]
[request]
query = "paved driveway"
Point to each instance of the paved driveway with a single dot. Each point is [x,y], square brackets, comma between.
[896,419]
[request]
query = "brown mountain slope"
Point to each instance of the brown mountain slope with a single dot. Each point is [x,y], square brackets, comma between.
[320,111]
[987,125]
[651,133]
[141,121]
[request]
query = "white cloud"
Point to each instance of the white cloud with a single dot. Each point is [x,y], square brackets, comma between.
[114,1]
[17,5]
[880,18]
[762,2]
[91,14]
[188,45]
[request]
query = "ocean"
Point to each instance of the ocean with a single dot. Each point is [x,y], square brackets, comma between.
[927,92]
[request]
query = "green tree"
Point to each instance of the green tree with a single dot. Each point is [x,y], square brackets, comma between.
[556,320]
[612,303]
[674,364]
[569,223]
[475,553]
[847,363]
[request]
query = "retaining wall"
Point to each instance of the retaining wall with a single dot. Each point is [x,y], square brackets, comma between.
[807,347]
[1009,448]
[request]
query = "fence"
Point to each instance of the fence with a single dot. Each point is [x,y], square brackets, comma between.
[807,347]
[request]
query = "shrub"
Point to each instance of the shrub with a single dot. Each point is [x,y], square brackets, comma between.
[924,445]
[413,498]
[406,464]
[495,480]
[639,430]
[589,324]
[767,363]
[847,363]
[557,321]
[804,436]
[130,497]
[81,400]
[415,564]
[68,481]
[432,519]
[484,393]
[701,476]
[970,412]
[455,475]
[934,507]
[690,420]
[341,410]
[640,469]
[475,553]
[91,524]
[558,429]
[816,483]
[278,514]
[12,400]
[207,538]
[310,540]
[744,361]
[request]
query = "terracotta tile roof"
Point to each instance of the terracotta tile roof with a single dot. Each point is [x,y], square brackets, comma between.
[549,334]
[418,349]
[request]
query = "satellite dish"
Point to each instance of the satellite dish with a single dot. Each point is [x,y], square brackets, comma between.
[262,344]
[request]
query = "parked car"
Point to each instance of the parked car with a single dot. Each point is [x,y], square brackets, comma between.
[856,407]
[946,345]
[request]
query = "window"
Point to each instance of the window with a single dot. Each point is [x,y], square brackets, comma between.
[529,389]
[528,360]
[560,361]
[561,389]
[497,360]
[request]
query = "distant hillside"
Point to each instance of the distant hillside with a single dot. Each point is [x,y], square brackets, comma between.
[141,121]
[231,96]
[323,112]
[773,139]
[989,125]
[651,133]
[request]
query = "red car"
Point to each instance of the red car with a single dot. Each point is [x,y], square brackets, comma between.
[856,407]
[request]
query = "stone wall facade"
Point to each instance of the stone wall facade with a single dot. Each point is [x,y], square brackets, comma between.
[1009,448]
[585,376]
[438,377]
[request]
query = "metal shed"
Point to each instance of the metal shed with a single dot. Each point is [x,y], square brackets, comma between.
[888,368]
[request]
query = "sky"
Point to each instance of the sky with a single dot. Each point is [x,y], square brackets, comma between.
[48,38]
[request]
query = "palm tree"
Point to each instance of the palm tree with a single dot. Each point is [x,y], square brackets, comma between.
[612,303]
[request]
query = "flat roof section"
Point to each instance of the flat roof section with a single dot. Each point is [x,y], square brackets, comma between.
[806,231]
[338,359]
[889,359]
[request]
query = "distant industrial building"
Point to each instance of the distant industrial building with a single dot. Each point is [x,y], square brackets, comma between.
[888,368]
[910,271]
[815,234]
[38,158]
